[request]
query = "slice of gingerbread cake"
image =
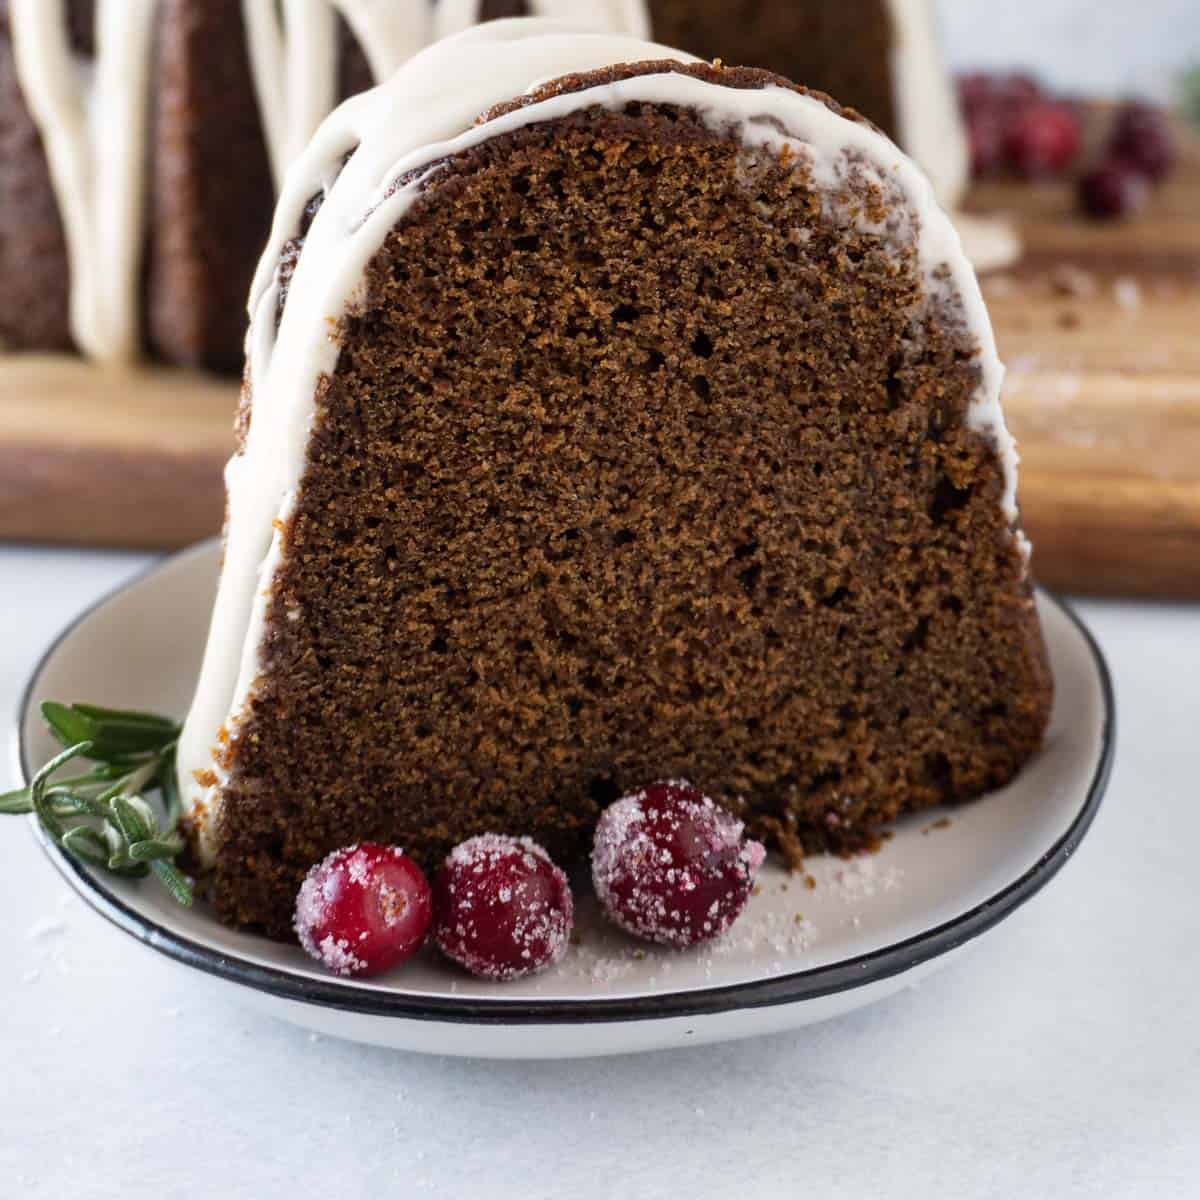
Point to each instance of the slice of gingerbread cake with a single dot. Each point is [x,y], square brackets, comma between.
[639,424]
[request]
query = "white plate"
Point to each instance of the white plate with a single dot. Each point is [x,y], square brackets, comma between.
[869,927]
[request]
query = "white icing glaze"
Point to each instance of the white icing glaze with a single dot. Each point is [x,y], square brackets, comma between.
[930,125]
[94,119]
[424,114]
[93,123]
[931,129]
[294,54]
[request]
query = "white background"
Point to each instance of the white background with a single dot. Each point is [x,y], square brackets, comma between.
[1084,45]
[1060,1059]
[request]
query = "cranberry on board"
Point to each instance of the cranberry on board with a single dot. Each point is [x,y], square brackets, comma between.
[502,909]
[363,910]
[1142,136]
[1112,190]
[1043,139]
[671,866]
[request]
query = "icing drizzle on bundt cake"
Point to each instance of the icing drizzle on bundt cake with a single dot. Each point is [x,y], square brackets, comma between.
[372,160]
[94,118]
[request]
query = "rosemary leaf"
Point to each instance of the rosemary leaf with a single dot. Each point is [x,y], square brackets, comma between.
[16,802]
[37,790]
[129,717]
[103,817]
[86,844]
[175,881]
[73,804]
[154,849]
[129,820]
[66,725]
[113,734]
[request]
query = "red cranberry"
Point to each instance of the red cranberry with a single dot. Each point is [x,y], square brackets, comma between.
[986,137]
[671,866]
[983,91]
[1043,139]
[1142,136]
[1019,88]
[1113,189]
[363,909]
[503,909]
[977,91]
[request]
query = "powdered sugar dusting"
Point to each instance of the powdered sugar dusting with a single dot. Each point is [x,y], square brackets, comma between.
[863,877]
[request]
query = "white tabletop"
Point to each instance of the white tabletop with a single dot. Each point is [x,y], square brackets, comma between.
[1060,1059]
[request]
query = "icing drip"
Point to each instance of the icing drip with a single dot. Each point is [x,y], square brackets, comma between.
[423,115]
[92,119]
[294,57]
[930,127]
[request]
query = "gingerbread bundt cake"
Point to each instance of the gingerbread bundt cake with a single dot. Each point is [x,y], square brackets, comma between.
[640,424]
[133,206]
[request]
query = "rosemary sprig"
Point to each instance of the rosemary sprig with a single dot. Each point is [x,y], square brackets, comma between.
[102,817]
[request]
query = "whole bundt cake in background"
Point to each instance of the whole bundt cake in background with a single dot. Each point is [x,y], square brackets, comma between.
[138,138]
[658,435]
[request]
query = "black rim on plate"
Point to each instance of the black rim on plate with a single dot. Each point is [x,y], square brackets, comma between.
[763,993]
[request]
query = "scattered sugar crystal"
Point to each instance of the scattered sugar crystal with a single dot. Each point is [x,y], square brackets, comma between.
[863,877]
[45,928]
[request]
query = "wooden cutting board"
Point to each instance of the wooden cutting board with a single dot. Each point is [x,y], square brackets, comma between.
[1099,324]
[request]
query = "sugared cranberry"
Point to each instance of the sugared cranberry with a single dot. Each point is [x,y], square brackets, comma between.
[502,909]
[363,909]
[1113,189]
[1043,139]
[671,866]
[1142,136]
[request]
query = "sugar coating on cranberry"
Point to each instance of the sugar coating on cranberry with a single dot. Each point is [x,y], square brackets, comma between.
[363,909]
[671,866]
[502,908]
